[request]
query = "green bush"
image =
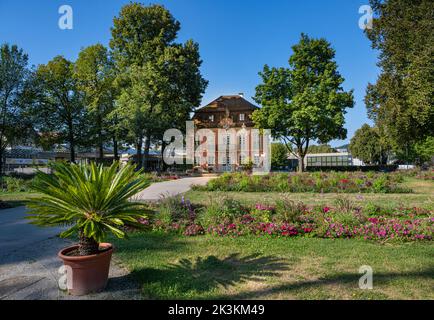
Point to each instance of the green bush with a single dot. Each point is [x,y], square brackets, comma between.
[339,182]
[379,185]
[220,209]
[11,184]
[288,210]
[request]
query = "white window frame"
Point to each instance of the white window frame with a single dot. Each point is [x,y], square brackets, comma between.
[242,117]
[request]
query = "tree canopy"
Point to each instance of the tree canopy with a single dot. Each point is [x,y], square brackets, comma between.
[279,155]
[306,102]
[57,105]
[160,79]
[367,146]
[401,101]
[322,148]
[14,74]
[94,73]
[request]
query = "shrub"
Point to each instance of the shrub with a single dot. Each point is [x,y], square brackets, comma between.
[344,204]
[224,216]
[380,185]
[219,210]
[288,210]
[91,199]
[12,184]
[341,182]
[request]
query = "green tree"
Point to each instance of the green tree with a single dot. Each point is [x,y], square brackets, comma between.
[57,105]
[159,79]
[425,150]
[95,76]
[368,146]
[279,155]
[13,76]
[323,148]
[306,102]
[401,101]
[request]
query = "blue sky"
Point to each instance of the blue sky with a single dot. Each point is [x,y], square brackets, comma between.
[236,37]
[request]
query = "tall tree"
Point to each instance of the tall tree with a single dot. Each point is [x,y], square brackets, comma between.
[95,76]
[279,155]
[368,146]
[401,101]
[160,79]
[323,148]
[425,151]
[13,76]
[57,106]
[306,102]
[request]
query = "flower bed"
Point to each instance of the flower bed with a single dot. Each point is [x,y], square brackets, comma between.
[339,182]
[227,217]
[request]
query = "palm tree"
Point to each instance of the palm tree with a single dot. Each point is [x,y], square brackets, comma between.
[93,200]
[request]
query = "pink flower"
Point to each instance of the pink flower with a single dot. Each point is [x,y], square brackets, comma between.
[373,220]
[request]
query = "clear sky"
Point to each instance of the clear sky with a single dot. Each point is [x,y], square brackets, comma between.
[236,37]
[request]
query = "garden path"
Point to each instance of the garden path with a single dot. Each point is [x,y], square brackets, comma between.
[29,266]
[170,188]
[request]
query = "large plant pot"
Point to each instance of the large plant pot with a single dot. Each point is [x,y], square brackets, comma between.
[87,274]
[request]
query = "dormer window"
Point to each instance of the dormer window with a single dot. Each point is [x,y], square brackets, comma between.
[242,117]
[211,118]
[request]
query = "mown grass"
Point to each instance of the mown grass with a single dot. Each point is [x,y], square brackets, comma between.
[178,267]
[423,196]
[17,199]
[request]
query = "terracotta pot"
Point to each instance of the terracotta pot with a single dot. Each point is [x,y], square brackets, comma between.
[87,274]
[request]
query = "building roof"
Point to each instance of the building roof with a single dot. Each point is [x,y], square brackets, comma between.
[230,102]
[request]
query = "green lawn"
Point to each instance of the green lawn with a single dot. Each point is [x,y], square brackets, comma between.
[423,195]
[206,267]
[178,267]
[16,199]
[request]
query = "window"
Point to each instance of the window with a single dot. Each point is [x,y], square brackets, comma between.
[211,118]
[256,160]
[242,117]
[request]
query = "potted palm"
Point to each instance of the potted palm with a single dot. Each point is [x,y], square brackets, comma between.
[92,201]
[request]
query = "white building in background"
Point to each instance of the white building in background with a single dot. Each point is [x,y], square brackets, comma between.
[337,159]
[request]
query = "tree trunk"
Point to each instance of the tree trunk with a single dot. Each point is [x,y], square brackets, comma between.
[301,155]
[100,141]
[101,153]
[71,141]
[115,149]
[301,163]
[87,246]
[163,164]
[139,145]
[1,161]
[146,153]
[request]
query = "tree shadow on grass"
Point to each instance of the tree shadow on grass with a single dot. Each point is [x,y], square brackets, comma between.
[198,278]
[159,242]
[349,280]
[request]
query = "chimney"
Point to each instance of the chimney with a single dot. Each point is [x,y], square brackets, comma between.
[241,94]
